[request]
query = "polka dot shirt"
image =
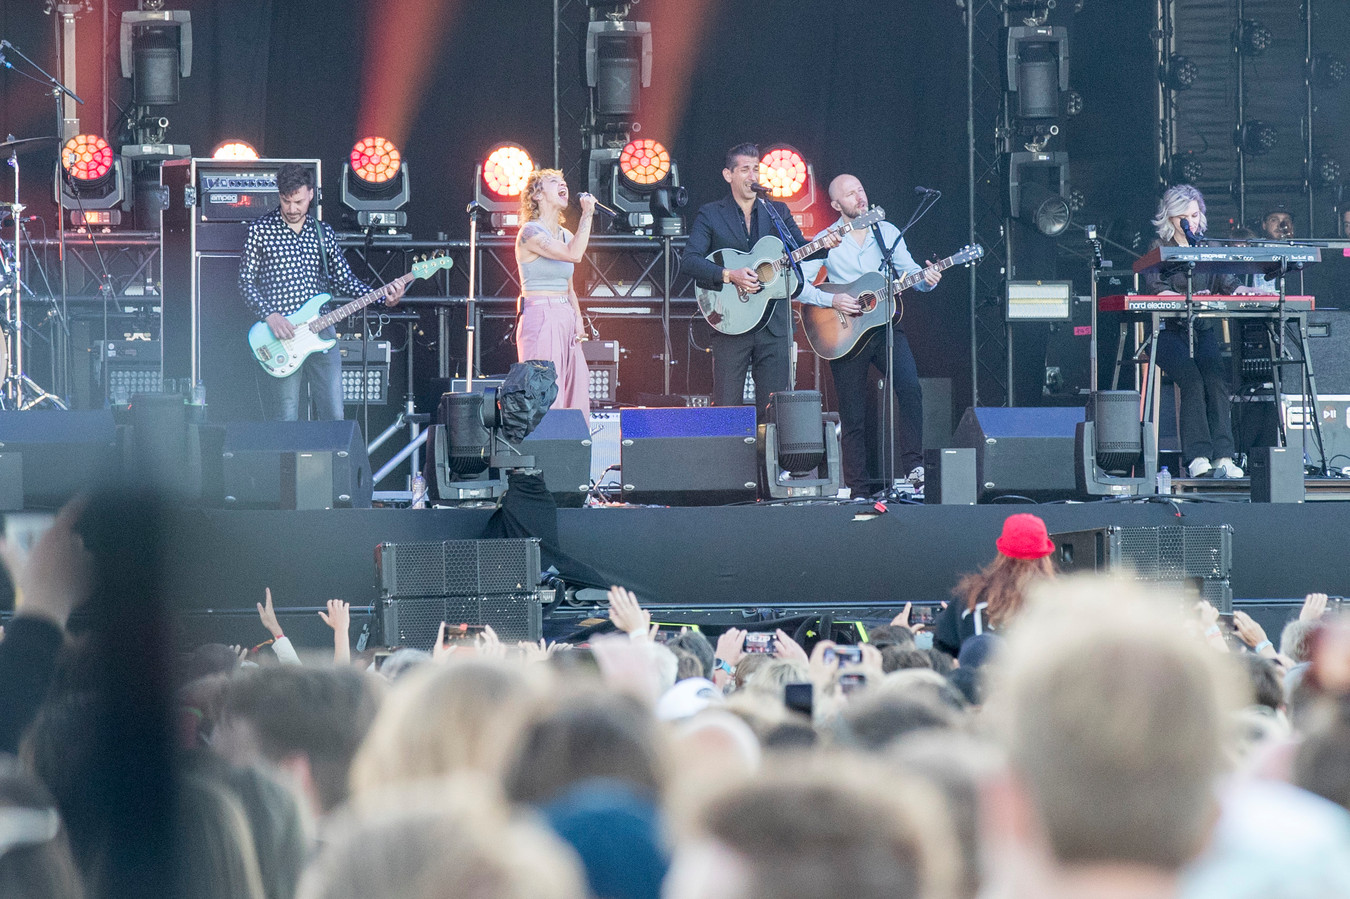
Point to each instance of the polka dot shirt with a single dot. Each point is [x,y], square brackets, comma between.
[281,270]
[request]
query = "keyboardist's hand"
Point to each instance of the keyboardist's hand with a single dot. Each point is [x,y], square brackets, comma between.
[846,304]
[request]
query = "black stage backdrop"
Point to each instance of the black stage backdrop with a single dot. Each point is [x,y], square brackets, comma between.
[876,89]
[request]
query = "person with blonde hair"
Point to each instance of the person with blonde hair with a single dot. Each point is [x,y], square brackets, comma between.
[441,720]
[550,325]
[1113,716]
[1206,419]
[987,600]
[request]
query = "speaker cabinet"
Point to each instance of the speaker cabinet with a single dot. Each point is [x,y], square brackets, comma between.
[949,477]
[295,465]
[492,582]
[1276,473]
[1023,451]
[1195,558]
[63,453]
[690,456]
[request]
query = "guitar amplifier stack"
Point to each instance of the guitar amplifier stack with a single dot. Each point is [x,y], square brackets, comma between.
[493,582]
[211,204]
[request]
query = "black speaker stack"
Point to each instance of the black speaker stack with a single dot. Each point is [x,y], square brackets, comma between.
[474,582]
[1195,558]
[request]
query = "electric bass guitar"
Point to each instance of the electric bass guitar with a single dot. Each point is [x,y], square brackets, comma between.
[280,358]
[833,334]
[732,310]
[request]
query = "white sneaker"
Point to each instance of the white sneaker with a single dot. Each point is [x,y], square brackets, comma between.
[1200,466]
[915,477]
[1227,468]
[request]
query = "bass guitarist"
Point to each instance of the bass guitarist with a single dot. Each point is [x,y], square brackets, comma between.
[737,222]
[289,256]
[860,253]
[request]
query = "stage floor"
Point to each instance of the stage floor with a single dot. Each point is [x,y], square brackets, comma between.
[737,556]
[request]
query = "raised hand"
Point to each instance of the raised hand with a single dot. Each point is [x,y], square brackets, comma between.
[268,615]
[627,615]
[1314,606]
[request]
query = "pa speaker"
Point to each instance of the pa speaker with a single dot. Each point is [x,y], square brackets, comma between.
[561,446]
[63,453]
[689,457]
[949,477]
[1021,451]
[1276,473]
[474,582]
[295,465]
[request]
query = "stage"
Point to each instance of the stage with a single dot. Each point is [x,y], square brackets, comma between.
[723,563]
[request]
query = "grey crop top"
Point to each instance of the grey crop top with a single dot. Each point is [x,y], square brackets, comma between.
[544,275]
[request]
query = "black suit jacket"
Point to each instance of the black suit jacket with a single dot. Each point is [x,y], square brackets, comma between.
[719,226]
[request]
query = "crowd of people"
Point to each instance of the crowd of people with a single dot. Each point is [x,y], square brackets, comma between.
[1055,736]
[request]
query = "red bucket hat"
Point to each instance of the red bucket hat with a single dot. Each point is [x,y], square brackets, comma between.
[1024,537]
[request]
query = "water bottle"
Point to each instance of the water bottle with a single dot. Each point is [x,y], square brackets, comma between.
[1164,482]
[419,492]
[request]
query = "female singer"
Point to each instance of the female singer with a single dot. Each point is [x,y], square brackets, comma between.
[1206,416]
[551,326]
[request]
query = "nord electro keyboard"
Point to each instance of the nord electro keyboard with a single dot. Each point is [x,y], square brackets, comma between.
[1237,303]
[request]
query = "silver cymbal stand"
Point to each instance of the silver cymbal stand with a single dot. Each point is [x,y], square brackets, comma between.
[18,390]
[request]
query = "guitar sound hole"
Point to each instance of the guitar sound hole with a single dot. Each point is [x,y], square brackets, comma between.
[764,271]
[868,301]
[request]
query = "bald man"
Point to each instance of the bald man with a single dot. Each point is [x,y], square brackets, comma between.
[858,254]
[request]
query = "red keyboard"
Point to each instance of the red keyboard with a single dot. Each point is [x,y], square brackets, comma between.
[1142,302]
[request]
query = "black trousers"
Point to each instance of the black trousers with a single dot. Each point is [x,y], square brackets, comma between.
[1206,409]
[760,352]
[853,386]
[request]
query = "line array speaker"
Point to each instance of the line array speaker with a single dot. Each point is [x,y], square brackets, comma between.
[490,582]
[1189,557]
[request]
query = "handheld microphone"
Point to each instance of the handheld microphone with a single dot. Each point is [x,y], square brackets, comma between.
[927,190]
[761,189]
[600,206]
[475,208]
[1191,237]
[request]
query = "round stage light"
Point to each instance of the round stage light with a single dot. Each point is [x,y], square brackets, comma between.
[234,149]
[1253,38]
[1326,170]
[1182,72]
[1258,138]
[505,170]
[783,171]
[87,157]
[375,160]
[1329,69]
[644,162]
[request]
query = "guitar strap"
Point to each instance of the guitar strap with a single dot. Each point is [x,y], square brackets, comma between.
[886,254]
[323,253]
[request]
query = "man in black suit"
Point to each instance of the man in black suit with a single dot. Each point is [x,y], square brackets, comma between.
[737,222]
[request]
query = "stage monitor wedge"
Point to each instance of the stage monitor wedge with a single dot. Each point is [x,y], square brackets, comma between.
[689,456]
[1023,451]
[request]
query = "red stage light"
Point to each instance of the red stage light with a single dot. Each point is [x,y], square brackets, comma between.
[644,162]
[87,157]
[234,149]
[783,171]
[505,170]
[376,160]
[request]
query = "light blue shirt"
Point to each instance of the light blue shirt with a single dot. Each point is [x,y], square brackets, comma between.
[851,260]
